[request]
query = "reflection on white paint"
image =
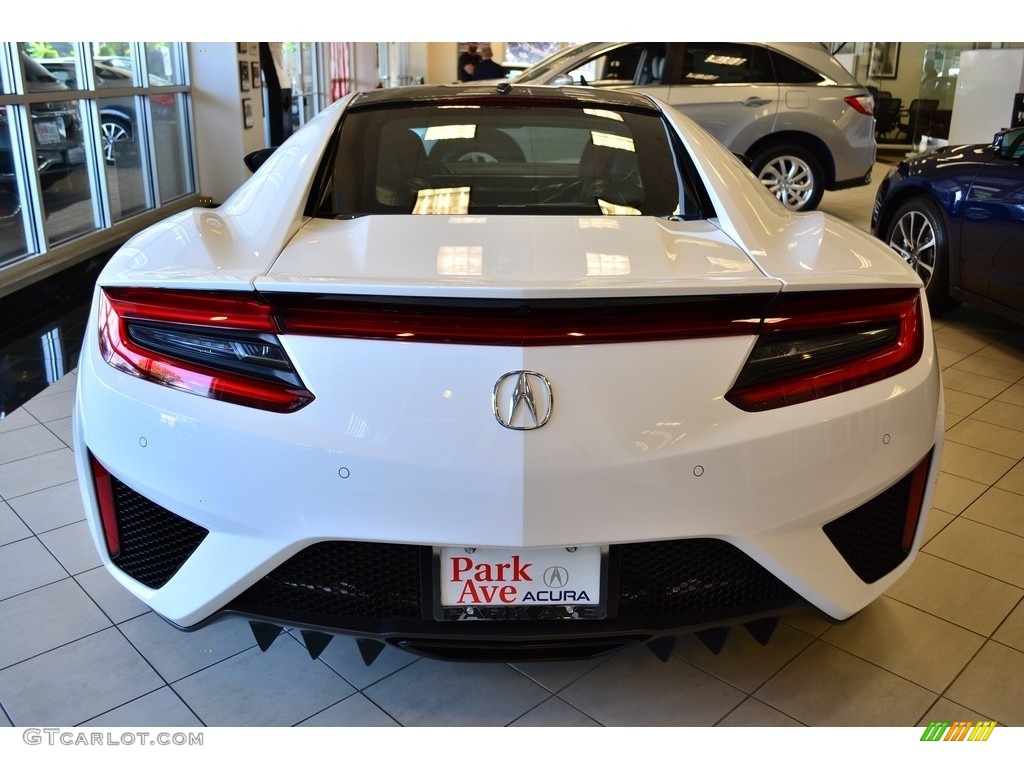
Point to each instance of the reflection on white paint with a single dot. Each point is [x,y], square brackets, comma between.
[596,222]
[607,264]
[465,260]
[357,426]
[729,265]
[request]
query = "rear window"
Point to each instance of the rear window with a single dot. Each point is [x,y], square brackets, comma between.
[495,157]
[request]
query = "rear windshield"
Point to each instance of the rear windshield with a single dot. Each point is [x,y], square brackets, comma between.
[490,157]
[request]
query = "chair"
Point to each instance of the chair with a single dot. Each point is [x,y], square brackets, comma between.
[887,115]
[919,120]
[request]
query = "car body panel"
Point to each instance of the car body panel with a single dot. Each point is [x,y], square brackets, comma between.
[628,457]
[979,196]
[229,246]
[513,256]
[402,441]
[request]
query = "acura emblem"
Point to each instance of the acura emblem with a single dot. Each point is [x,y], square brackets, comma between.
[556,577]
[522,400]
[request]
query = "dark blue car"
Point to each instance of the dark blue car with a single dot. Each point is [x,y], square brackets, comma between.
[957,216]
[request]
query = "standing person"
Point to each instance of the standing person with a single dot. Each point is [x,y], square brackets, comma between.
[487,68]
[468,60]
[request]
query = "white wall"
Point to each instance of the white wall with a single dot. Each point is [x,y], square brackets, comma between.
[221,139]
[365,76]
[985,89]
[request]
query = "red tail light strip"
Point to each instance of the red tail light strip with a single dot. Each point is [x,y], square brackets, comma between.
[543,322]
[105,498]
[800,318]
[917,487]
[242,311]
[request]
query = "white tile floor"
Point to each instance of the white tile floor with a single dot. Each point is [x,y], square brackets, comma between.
[947,642]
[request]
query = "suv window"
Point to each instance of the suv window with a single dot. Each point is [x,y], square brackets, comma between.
[717,63]
[792,72]
[617,66]
[481,157]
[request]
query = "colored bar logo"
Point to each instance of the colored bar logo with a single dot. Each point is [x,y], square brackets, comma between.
[958,731]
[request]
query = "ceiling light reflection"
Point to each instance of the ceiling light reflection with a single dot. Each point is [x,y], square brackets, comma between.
[460,260]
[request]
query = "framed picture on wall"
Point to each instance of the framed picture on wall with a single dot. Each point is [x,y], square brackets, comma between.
[243,75]
[255,75]
[248,121]
[884,61]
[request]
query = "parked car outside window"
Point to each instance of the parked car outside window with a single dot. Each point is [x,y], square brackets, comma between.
[118,115]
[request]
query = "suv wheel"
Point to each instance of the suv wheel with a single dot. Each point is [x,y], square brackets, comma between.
[791,173]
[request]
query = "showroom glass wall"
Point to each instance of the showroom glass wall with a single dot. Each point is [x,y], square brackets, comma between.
[109,128]
[915,85]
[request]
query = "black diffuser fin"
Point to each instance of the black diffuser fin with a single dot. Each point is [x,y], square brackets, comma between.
[369,649]
[713,639]
[315,642]
[662,647]
[762,629]
[264,633]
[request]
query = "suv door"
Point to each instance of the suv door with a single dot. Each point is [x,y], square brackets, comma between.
[729,88]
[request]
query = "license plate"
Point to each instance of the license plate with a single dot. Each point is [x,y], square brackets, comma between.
[47,131]
[557,576]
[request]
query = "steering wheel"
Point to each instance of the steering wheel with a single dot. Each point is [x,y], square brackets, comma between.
[580,190]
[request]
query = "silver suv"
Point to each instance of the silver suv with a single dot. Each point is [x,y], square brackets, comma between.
[804,122]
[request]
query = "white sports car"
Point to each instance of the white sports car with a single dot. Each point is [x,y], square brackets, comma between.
[503,372]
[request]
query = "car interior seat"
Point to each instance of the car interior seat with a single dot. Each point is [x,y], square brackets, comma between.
[613,174]
[403,168]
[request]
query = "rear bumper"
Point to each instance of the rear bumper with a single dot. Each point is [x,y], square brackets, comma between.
[406,451]
[390,592]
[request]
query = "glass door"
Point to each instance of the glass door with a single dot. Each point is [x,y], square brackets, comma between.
[303,77]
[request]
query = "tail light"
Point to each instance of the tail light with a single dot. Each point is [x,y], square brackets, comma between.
[221,346]
[108,515]
[818,344]
[864,104]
